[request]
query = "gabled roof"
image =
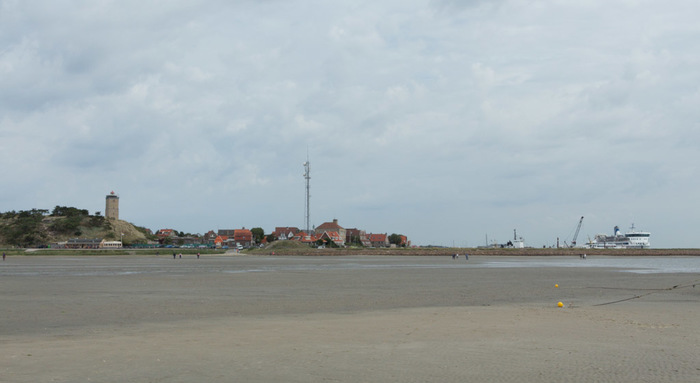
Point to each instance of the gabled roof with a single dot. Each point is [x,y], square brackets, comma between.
[304,237]
[242,235]
[285,231]
[166,232]
[333,235]
[329,225]
[377,237]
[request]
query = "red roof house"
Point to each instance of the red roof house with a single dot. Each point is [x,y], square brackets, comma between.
[243,237]
[219,240]
[283,233]
[332,226]
[334,237]
[378,240]
[304,237]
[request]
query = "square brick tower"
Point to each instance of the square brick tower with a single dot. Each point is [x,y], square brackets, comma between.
[112,206]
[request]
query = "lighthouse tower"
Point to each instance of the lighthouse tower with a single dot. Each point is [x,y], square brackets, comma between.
[112,206]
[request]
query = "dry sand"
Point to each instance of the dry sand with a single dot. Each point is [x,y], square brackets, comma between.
[348,319]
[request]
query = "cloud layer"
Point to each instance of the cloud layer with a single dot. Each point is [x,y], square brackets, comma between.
[446,121]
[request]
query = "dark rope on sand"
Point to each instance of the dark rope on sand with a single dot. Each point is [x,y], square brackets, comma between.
[676,287]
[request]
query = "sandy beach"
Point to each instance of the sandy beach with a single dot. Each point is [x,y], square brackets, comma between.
[346,319]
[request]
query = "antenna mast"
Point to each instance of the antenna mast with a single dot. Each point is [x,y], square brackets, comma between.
[307,176]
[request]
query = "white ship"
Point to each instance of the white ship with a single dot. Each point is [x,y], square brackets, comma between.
[518,243]
[632,239]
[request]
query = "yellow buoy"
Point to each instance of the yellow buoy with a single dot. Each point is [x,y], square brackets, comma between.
[556,285]
[560,304]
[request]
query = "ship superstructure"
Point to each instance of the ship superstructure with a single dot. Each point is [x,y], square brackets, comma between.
[632,239]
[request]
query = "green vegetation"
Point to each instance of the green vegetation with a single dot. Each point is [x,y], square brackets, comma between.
[282,245]
[395,239]
[39,228]
[22,228]
[258,234]
[150,236]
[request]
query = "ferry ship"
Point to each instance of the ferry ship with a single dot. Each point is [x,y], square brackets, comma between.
[632,239]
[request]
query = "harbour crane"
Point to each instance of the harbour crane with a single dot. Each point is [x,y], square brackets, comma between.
[573,241]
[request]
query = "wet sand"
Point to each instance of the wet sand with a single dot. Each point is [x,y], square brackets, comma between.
[349,319]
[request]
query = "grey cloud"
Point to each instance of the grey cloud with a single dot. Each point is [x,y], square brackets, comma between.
[474,114]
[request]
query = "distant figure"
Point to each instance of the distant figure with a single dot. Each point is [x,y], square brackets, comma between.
[180,255]
[174,256]
[197,255]
[584,255]
[466,256]
[3,255]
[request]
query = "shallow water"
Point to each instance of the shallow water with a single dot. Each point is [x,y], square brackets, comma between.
[639,265]
[106,266]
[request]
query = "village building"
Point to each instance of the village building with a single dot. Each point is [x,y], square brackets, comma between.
[83,243]
[357,236]
[304,237]
[90,243]
[334,237]
[111,244]
[166,233]
[334,227]
[226,232]
[243,237]
[285,233]
[220,241]
[379,240]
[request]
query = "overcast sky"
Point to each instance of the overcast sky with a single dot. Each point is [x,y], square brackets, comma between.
[447,121]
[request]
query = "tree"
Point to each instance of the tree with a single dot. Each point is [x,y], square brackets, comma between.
[24,230]
[355,240]
[258,234]
[64,211]
[396,239]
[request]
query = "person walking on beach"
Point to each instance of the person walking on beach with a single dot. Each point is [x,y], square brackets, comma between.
[3,255]
[466,256]
[174,256]
[197,255]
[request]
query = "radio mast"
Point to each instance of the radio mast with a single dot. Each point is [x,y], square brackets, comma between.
[307,176]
